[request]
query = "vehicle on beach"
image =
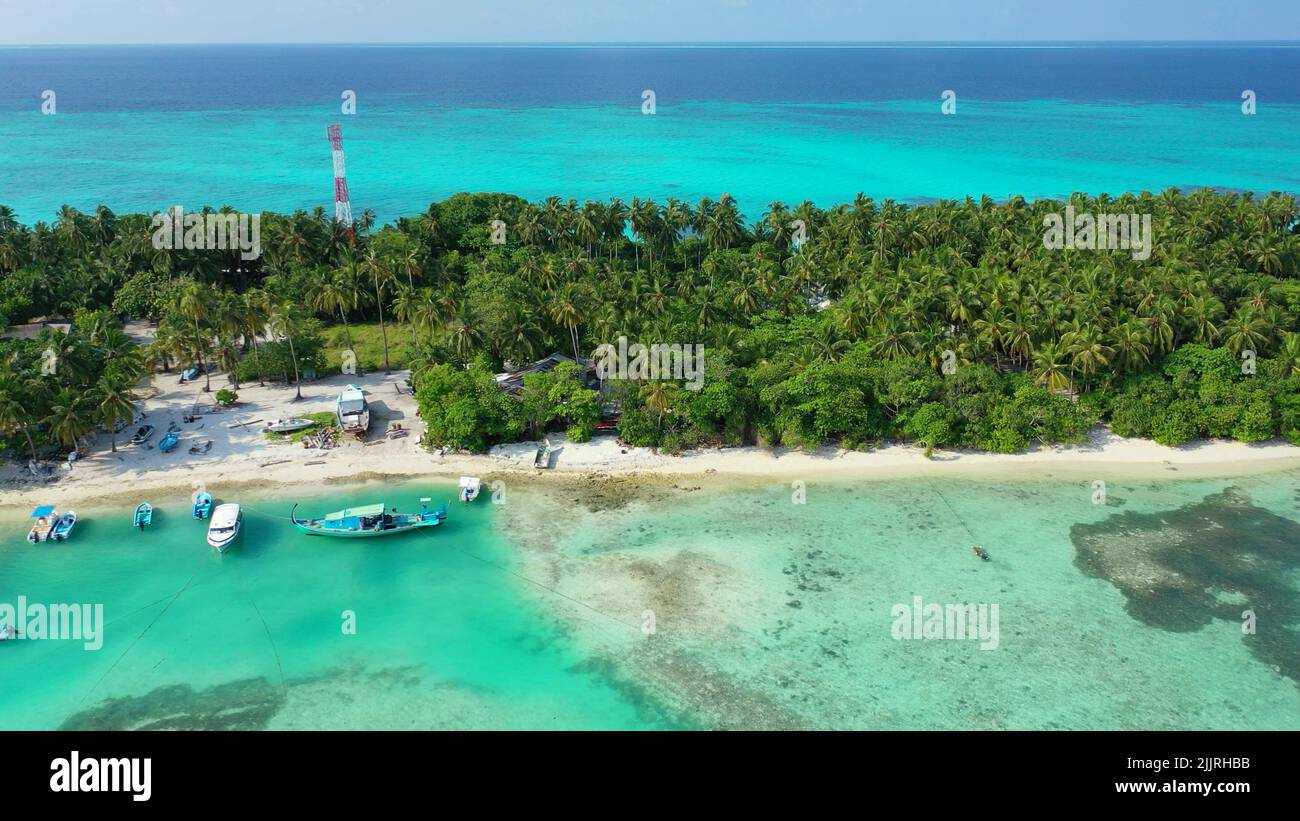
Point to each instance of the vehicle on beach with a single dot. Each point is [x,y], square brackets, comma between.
[226,522]
[352,410]
[369,520]
[289,425]
[143,515]
[142,435]
[469,488]
[168,443]
[202,505]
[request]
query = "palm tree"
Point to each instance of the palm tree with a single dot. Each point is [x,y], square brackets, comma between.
[1050,369]
[116,404]
[1289,355]
[16,410]
[566,311]
[228,359]
[658,398]
[285,321]
[1245,332]
[70,418]
[463,334]
[192,302]
[330,293]
[382,276]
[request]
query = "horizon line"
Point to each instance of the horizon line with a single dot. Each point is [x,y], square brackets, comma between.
[677,43]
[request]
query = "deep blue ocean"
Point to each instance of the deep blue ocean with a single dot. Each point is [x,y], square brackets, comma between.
[141,127]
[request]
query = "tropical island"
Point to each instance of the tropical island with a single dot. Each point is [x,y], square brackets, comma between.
[949,325]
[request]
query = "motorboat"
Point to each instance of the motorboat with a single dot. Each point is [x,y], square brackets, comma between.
[226,522]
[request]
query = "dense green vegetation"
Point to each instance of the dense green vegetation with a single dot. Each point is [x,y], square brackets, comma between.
[842,339]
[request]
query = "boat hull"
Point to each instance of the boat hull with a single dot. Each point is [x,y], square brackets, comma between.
[227,522]
[290,426]
[62,529]
[361,534]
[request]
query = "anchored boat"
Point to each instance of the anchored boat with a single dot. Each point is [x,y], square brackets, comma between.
[352,410]
[202,505]
[45,517]
[63,527]
[469,488]
[226,521]
[143,515]
[369,520]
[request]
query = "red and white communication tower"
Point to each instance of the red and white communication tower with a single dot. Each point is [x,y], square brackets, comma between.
[342,202]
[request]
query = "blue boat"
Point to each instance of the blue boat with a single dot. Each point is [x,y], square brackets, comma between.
[202,505]
[168,443]
[143,514]
[369,520]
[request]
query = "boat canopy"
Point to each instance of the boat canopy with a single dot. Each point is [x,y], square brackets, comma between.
[224,517]
[471,482]
[355,512]
[43,510]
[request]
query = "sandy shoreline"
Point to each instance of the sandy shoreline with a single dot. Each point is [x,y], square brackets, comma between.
[243,458]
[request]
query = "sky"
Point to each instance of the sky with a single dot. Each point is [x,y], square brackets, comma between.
[42,22]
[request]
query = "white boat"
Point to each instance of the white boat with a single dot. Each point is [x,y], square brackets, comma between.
[289,425]
[7,632]
[469,487]
[226,521]
[352,410]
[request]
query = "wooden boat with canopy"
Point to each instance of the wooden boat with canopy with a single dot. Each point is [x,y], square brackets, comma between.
[369,520]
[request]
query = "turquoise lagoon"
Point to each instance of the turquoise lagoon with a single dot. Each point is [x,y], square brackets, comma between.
[710,605]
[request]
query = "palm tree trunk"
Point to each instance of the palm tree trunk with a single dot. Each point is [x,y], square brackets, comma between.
[207,377]
[261,378]
[30,443]
[296,381]
[383,331]
[347,332]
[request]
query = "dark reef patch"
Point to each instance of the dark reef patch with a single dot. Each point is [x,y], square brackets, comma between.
[248,704]
[1182,569]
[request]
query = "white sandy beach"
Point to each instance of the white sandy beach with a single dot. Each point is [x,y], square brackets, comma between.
[244,457]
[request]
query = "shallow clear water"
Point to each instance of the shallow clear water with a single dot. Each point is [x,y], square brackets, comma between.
[254,638]
[765,613]
[770,613]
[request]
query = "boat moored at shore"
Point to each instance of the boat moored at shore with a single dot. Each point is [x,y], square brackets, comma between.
[202,505]
[369,520]
[469,488]
[227,520]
